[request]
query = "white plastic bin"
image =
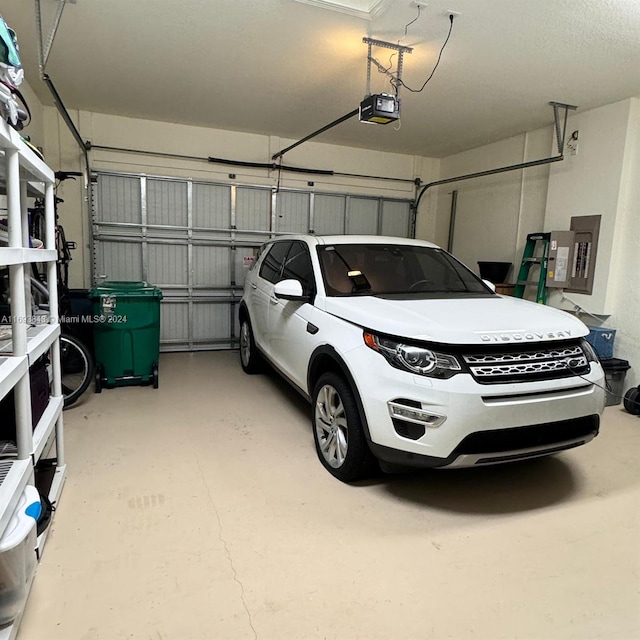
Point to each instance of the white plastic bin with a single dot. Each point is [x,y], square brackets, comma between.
[18,555]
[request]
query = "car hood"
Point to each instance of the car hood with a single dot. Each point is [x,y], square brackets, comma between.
[482,320]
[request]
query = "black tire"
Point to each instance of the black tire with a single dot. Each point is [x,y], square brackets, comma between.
[98,379]
[337,430]
[250,357]
[154,375]
[632,401]
[77,368]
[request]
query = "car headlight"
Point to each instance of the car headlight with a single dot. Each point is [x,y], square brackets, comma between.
[413,358]
[589,351]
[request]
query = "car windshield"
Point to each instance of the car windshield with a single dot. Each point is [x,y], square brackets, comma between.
[395,270]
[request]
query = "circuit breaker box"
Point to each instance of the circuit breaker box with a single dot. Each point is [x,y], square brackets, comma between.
[560,261]
[585,248]
[572,255]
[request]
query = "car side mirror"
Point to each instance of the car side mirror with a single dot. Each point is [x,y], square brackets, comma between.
[290,290]
[490,285]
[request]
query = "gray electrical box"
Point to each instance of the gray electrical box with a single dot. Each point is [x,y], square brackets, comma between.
[585,247]
[571,263]
[560,261]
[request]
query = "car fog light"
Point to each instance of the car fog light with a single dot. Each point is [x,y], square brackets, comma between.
[412,414]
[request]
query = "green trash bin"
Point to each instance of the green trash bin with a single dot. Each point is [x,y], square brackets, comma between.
[126,333]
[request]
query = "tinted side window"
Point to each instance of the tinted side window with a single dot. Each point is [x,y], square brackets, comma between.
[272,266]
[298,266]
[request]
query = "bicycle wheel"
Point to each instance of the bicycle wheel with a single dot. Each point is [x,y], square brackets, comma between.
[77,368]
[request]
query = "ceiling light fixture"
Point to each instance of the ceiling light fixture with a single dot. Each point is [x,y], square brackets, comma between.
[367,9]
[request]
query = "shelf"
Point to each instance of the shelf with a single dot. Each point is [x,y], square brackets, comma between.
[36,168]
[11,370]
[54,494]
[11,632]
[17,255]
[14,475]
[46,425]
[39,341]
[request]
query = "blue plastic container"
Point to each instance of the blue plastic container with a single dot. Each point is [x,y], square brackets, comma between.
[601,339]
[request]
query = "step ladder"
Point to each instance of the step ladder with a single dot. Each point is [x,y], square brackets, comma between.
[534,256]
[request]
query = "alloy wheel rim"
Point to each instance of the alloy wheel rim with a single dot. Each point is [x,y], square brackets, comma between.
[331,426]
[245,344]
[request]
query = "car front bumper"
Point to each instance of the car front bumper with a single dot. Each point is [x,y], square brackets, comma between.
[479,423]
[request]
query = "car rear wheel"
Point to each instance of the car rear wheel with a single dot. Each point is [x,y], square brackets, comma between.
[250,358]
[337,430]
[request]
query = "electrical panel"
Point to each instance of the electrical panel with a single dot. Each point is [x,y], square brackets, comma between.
[585,247]
[560,261]
[572,256]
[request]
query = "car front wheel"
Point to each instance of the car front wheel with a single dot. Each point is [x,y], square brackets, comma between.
[337,430]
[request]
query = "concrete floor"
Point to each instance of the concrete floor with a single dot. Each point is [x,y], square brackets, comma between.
[200,511]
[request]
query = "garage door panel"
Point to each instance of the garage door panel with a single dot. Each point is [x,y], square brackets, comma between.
[211,266]
[167,264]
[244,257]
[164,235]
[362,216]
[328,214]
[167,203]
[395,218]
[118,261]
[174,321]
[253,209]
[117,230]
[292,215]
[119,199]
[212,322]
[211,206]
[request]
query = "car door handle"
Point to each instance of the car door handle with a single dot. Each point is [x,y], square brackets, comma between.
[254,285]
[274,300]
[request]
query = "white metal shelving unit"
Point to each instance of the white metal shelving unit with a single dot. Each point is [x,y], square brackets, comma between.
[22,174]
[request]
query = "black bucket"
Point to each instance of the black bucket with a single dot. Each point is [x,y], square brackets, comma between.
[495,272]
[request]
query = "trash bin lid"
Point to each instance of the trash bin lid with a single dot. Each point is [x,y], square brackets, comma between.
[615,364]
[124,288]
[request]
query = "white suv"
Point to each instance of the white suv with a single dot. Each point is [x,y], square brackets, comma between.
[409,358]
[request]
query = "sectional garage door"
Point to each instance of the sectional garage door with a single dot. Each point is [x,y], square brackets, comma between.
[195,240]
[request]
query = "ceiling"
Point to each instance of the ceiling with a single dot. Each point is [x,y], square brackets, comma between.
[287,68]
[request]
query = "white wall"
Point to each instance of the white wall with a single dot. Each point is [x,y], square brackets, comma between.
[171,138]
[590,183]
[625,263]
[495,213]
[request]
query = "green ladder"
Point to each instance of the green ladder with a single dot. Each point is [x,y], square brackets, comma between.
[530,259]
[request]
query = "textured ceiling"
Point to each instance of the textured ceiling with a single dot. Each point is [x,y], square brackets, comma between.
[287,68]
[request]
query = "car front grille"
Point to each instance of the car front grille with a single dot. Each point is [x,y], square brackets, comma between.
[527,364]
[538,435]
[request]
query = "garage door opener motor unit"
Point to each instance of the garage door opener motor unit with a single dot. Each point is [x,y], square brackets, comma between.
[380,109]
[383,108]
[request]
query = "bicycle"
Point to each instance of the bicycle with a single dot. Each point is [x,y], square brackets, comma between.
[76,360]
